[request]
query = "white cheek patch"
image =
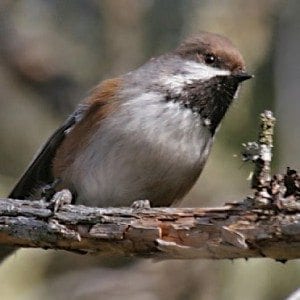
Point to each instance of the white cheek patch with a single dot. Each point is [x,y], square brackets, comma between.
[192,71]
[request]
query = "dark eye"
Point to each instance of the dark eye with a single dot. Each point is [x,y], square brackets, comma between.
[209,59]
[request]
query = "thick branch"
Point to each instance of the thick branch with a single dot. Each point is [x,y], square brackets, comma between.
[232,231]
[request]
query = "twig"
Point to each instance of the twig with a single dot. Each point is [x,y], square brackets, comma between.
[262,172]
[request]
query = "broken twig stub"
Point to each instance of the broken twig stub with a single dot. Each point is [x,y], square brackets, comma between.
[260,152]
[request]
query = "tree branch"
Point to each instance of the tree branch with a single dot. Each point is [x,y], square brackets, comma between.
[232,231]
[264,225]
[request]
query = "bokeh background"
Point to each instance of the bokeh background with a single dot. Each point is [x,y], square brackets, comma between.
[53,52]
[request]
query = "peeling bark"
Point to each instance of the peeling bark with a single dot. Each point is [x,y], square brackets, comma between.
[235,230]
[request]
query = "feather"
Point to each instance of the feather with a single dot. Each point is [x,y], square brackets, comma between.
[39,170]
[61,147]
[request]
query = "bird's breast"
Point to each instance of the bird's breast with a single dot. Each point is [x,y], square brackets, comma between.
[148,149]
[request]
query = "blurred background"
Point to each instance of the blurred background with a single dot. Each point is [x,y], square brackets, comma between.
[53,52]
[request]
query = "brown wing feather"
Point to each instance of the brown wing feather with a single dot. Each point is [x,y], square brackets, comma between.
[55,155]
[100,104]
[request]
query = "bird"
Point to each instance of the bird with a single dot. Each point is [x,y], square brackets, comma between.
[146,134]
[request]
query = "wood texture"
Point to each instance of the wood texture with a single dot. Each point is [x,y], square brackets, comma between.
[236,230]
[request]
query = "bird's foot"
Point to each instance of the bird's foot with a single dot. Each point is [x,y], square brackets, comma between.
[139,204]
[60,199]
[48,190]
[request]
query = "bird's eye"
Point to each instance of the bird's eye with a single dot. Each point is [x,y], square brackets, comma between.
[209,59]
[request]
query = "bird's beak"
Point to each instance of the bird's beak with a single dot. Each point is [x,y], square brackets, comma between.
[241,76]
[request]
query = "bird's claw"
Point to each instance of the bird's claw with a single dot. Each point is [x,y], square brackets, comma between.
[48,190]
[60,199]
[139,204]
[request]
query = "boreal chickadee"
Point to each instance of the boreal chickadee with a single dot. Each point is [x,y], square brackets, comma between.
[146,134]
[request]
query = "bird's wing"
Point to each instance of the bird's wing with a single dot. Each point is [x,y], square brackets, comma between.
[39,170]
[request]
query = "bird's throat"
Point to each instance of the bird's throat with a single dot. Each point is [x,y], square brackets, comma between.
[210,98]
